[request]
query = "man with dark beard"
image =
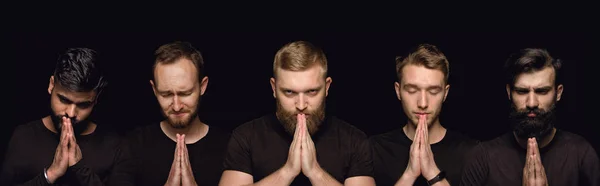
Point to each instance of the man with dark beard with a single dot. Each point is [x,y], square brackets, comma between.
[535,152]
[180,150]
[67,147]
[299,137]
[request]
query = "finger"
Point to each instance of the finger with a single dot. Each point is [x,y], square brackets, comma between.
[536,149]
[530,168]
[74,140]
[425,129]
[530,146]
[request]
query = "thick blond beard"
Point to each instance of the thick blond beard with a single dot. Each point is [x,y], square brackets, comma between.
[289,119]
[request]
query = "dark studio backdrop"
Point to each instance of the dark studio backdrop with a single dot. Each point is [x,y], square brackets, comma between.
[239,66]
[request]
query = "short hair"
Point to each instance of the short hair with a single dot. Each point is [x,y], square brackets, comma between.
[426,55]
[299,56]
[171,52]
[530,60]
[78,70]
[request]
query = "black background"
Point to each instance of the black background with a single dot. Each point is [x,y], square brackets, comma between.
[239,65]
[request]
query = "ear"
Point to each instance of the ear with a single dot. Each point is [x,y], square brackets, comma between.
[153,89]
[273,87]
[51,85]
[397,87]
[327,85]
[447,90]
[559,91]
[203,85]
[508,91]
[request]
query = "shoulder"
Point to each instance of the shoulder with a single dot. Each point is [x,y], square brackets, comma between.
[218,133]
[572,142]
[385,137]
[346,128]
[461,138]
[252,125]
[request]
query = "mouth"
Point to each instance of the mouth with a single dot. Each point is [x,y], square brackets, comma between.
[531,115]
[421,114]
[179,114]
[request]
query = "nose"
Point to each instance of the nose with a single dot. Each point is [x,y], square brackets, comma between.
[532,101]
[423,102]
[301,102]
[177,105]
[71,111]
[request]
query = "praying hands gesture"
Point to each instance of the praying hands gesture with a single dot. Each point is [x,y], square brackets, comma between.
[67,152]
[533,172]
[421,160]
[181,170]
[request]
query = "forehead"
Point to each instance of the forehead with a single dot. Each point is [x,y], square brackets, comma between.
[73,95]
[420,75]
[309,78]
[544,77]
[180,74]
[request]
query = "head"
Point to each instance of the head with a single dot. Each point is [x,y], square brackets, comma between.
[533,87]
[75,86]
[422,84]
[300,84]
[178,82]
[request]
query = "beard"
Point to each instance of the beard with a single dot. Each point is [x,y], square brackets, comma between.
[527,127]
[290,119]
[181,122]
[78,126]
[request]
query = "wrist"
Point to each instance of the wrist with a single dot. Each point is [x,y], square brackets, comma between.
[431,173]
[409,175]
[287,173]
[316,173]
[50,176]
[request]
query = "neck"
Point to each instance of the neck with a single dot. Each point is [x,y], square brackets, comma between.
[543,142]
[88,129]
[435,132]
[195,131]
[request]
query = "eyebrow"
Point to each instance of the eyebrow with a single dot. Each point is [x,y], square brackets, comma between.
[182,91]
[408,85]
[69,101]
[313,88]
[541,89]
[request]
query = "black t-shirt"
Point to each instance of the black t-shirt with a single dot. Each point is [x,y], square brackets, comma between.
[154,154]
[391,154]
[260,147]
[568,160]
[32,148]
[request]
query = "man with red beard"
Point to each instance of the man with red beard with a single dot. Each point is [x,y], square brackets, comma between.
[180,150]
[535,152]
[299,144]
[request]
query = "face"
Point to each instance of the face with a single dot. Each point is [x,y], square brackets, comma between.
[533,103]
[422,92]
[178,91]
[76,106]
[301,92]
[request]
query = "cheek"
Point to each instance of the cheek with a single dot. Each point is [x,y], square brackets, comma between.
[165,102]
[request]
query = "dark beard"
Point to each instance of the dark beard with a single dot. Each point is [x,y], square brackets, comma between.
[290,119]
[540,126]
[78,126]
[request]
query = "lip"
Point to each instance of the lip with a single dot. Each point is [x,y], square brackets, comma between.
[179,114]
[531,115]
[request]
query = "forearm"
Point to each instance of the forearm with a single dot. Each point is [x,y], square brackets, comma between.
[39,180]
[321,177]
[405,180]
[85,175]
[279,177]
